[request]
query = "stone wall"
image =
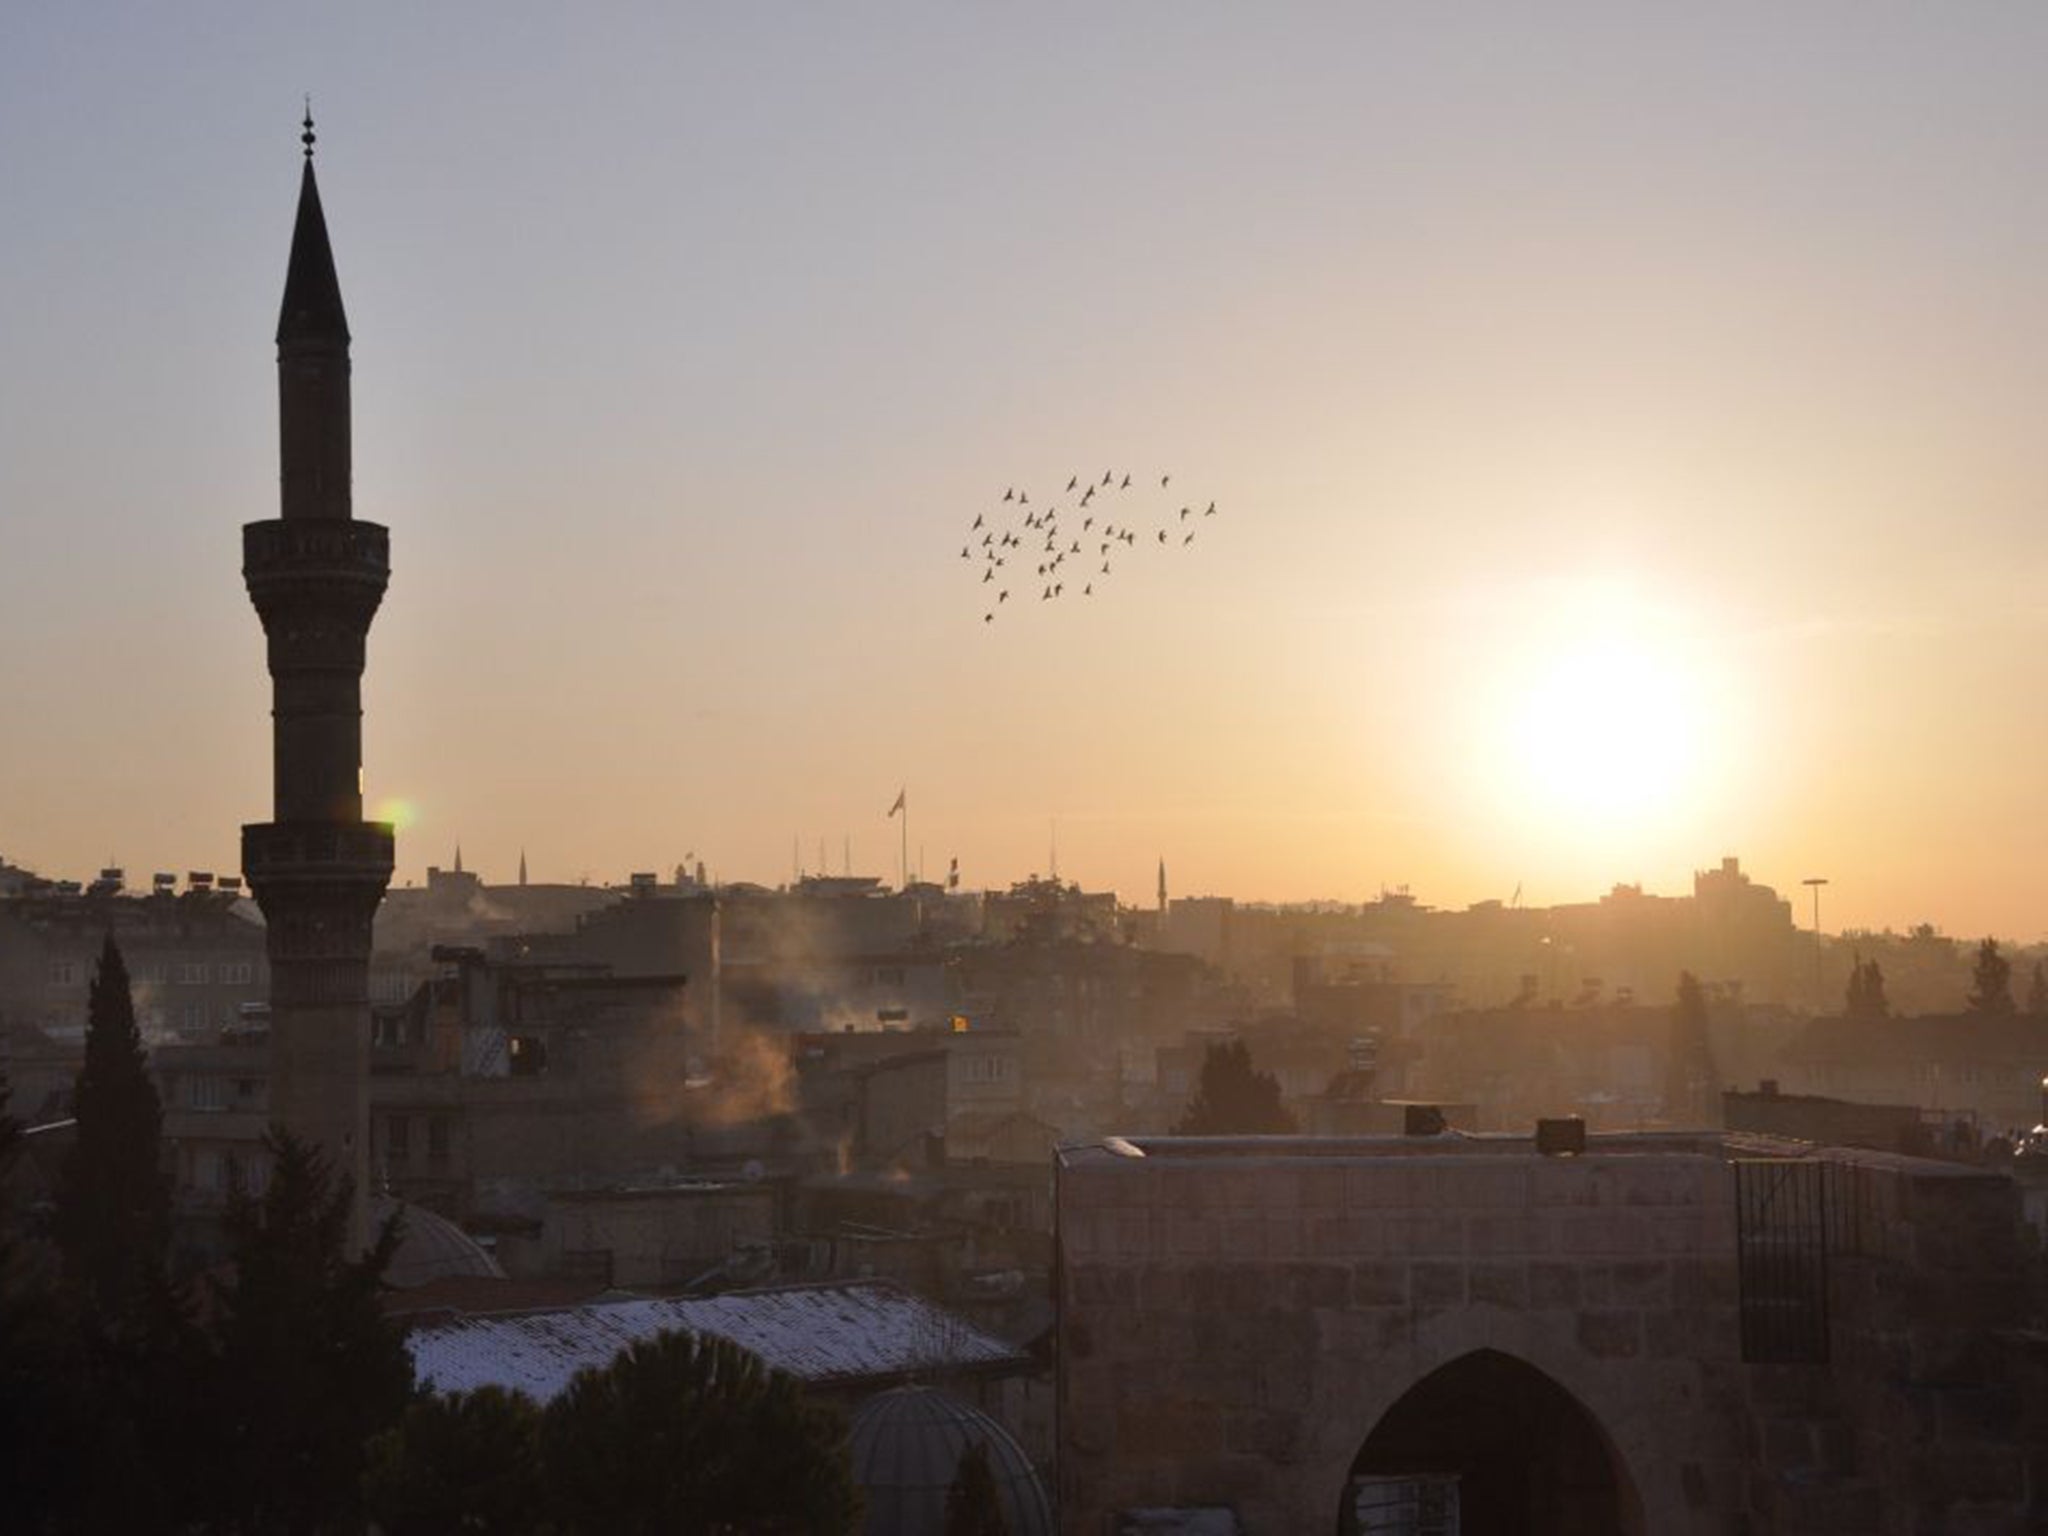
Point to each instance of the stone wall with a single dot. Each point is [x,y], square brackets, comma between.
[1233,1326]
[1238,1316]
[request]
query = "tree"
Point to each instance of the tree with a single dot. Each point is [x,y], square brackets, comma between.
[112,1220]
[974,1505]
[2037,991]
[689,1436]
[306,1367]
[1689,1066]
[1233,1099]
[42,1425]
[464,1462]
[1991,989]
[1866,998]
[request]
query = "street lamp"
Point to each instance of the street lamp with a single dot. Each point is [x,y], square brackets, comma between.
[1814,885]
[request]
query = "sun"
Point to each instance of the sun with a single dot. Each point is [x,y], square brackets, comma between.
[1600,720]
[1606,731]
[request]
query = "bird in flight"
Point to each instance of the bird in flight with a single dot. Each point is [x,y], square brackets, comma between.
[1001,531]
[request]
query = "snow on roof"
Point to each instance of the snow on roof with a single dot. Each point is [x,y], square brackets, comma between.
[834,1332]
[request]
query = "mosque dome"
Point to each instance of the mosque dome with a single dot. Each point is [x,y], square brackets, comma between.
[907,1444]
[433,1248]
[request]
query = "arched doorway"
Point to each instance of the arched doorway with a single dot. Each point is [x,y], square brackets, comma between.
[1526,1457]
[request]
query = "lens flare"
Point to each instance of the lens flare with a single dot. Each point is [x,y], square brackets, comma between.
[399,812]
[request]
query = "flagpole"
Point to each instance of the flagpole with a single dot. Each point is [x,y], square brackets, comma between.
[905,871]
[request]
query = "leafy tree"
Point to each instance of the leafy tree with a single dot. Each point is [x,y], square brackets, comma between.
[974,1505]
[2037,990]
[688,1436]
[306,1368]
[1234,1099]
[1991,989]
[42,1424]
[1866,997]
[1689,1066]
[465,1462]
[112,1220]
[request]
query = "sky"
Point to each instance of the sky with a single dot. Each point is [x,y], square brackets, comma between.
[1625,423]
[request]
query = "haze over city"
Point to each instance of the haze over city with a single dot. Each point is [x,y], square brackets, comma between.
[1624,425]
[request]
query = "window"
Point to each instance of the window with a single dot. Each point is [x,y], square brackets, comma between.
[63,973]
[237,973]
[437,1138]
[203,1091]
[1781,1243]
[398,1139]
[191,973]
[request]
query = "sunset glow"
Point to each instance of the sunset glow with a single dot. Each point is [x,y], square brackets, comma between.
[1614,472]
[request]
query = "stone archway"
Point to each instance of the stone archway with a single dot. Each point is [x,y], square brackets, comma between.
[1529,1458]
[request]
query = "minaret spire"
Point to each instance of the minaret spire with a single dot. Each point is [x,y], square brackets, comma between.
[316,576]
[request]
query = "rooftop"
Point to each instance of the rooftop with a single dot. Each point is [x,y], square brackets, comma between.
[830,1334]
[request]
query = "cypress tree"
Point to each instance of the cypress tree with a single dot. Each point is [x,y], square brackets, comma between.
[1689,1066]
[1991,989]
[112,1217]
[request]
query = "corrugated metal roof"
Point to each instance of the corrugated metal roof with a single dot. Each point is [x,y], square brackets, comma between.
[857,1330]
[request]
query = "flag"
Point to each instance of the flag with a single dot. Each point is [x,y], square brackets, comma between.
[899,805]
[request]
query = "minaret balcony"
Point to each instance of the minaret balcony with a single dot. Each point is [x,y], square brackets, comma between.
[281,853]
[285,555]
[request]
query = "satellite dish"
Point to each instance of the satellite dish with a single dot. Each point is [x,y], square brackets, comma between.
[752,1171]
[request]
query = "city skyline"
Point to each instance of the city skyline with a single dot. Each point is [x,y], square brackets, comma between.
[1619,474]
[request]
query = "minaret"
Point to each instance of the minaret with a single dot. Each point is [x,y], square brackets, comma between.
[316,577]
[1162,887]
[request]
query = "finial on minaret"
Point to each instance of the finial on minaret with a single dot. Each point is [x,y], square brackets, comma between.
[306,138]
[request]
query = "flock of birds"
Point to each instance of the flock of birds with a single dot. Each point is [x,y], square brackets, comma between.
[1067,548]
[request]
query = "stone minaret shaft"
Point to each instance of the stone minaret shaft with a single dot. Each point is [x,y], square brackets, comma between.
[316,576]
